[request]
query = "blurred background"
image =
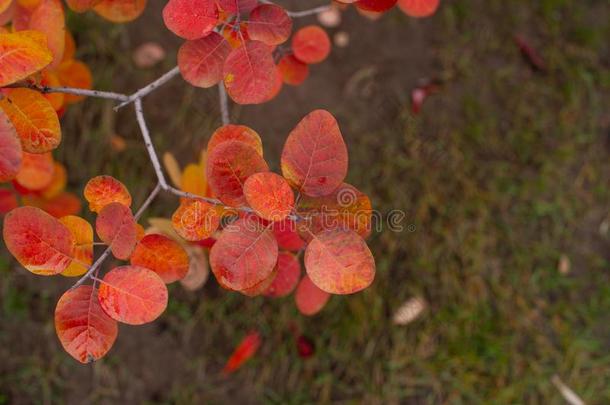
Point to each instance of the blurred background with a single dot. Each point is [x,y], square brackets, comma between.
[503,175]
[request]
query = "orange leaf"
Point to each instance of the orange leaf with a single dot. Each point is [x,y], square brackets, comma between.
[120,11]
[133,295]
[36,171]
[269,195]
[69,48]
[80,6]
[74,73]
[10,150]
[58,182]
[243,352]
[419,8]
[193,180]
[244,255]
[339,262]
[59,206]
[190,19]
[229,165]
[5,5]
[41,243]
[83,328]
[240,133]
[287,277]
[195,220]
[163,256]
[82,232]
[50,79]
[22,54]
[309,298]
[47,17]
[237,6]
[314,159]
[201,60]
[116,226]
[103,190]
[311,44]
[249,73]
[270,24]
[34,119]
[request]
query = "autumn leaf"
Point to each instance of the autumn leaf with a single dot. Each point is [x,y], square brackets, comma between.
[287,277]
[232,132]
[82,232]
[249,73]
[418,8]
[243,352]
[83,328]
[161,255]
[22,54]
[103,190]
[269,195]
[201,61]
[41,243]
[190,19]
[115,225]
[270,24]
[309,298]
[195,219]
[120,11]
[133,295]
[311,44]
[10,150]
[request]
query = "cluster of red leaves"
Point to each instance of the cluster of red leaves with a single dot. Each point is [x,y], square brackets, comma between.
[412,8]
[238,42]
[37,51]
[86,317]
[255,255]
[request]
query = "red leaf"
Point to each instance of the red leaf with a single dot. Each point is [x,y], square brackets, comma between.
[237,6]
[309,298]
[190,19]
[249,73]
[287,277]
[244,255]
[286,234]
[83,328]
[201,61]
[116,226]
[311,44]
[243,352]
[375,5]
[269,195]
[314,159]
[240,133]
[41,243]
[270,24]
[418,8]
[294,72]
[163,256]
[133,295]
[10,149]
[305,347]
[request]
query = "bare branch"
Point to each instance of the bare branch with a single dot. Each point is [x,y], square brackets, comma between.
[144,91]
[224,104]
[149,145]
[71,90]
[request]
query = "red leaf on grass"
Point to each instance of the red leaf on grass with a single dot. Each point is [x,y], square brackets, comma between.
[41,243]
[530,54]
[244,255]
[339,262]
[243,352]
[116,226]
[314,159]
[201,61]
[133,295]
[249,73]
[83,328]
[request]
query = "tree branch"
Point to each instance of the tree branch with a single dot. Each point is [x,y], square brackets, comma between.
[224,104]
[144,91]
[149,145]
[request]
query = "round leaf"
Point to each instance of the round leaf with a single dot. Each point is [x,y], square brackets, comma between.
[293,71]
[229,165]
[116,227]
[269,195]
[10,149]
[311,44]
[419,8]
[22,54]
[287,277]
[120,11]
[201,61]
[41,243]
[195,220]
[314,159]
[249,73]
[244,255]
[103,190]
[339,262]
[190,19]
[232,132]
[36,171]
[83,328]
[375,5]
[161,255]
[34,119]
[237,6]
[270,24]
[133,295]
[82,232]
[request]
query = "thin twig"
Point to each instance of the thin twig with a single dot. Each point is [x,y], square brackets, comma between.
[71,90]
[144,91]
[149,145]
[224,104]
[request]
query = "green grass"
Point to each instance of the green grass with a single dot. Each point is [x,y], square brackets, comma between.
[503,172]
